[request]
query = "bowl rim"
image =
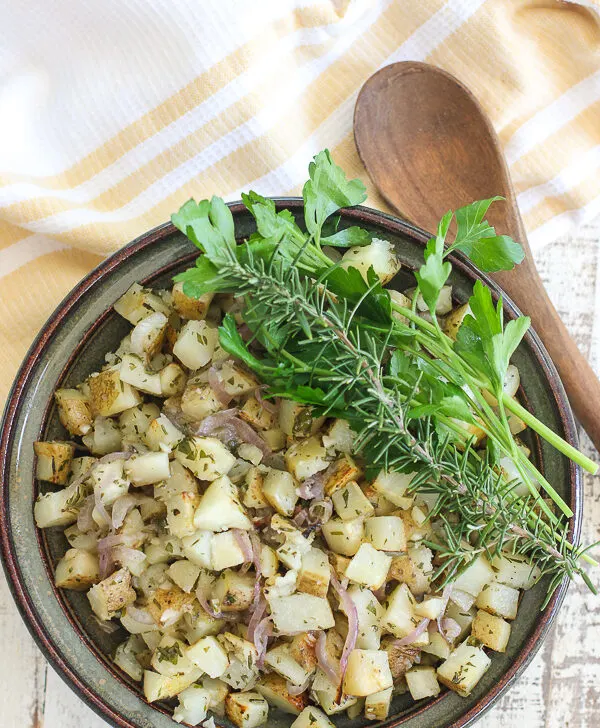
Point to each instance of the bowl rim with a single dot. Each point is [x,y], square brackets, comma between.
[359,214]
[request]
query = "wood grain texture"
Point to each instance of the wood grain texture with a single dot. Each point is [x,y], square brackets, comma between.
[558,690]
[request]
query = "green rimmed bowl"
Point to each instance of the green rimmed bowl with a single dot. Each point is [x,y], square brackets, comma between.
[73,343]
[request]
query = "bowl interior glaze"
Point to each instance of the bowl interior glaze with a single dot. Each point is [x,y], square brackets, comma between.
[73,344]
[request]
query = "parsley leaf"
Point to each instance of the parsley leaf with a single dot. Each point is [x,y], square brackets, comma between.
[203,278]
[352,236]
[209,225]
[434,273]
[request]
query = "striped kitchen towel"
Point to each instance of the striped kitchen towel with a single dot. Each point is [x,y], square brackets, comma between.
[114,112]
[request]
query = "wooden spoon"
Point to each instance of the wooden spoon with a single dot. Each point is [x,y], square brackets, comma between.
[429,147]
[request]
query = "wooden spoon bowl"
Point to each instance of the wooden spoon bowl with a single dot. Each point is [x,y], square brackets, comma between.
[429,147]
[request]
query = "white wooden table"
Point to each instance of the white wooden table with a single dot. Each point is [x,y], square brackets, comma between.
[560,689]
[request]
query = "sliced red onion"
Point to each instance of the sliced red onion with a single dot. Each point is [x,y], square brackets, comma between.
[243,541]
[414,635]
[264,629]
[380,594]
[214,422]
[445,597]
[323,660]
[247,434]
[313,487]
[298,689]
[259,612]
[125,554]
[320,511]
[105,559]
[351,612]
[301,518]
[451,629]
[85,522]
[256,551]
[204,603]
[140,615]
[121,508]
[265,403]
[214,379]
[102,512]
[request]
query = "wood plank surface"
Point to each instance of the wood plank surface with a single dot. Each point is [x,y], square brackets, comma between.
[558,690]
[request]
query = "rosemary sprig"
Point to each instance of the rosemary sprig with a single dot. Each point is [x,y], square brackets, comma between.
[329,340]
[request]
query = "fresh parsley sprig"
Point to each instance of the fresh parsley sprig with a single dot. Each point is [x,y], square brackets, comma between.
[333,340]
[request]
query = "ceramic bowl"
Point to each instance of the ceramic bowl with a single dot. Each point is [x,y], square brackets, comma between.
[72,344]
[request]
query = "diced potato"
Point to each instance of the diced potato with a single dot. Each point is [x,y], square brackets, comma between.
[198,548]
[256,415]
[208,654]
[250,453]
[415,569]
[167,606]
[377,705]
[253,494]
[226,551]
[242,670]
[369,567]
[491,631]
[462,599]
[386,533]
[429,608]
[350,502]
[274,688]
[108,481]
[180,514]
[194,309]
[302,649]
[370,613]
[53,461]
[237,381]
[393,486]
[199,400]
[78,570]
[234,591]
[312,717]
[195,344]
[475,576]
[133,371]
[368,672]
[218,692]
[340,473]
[328,697]
[300,613]
[206,457]
[220,508]
[163,435]
[184,573]
[344,537]
[314,574]
[112,594]
[463,669]
[422,682]
[515,571]
[379,254]
[339,437]
[136,627]
[437,646]
[79,540]
[109,395]
[279,490]
[125,658]
[137,302]
[454,320]
[269,561]
[295,545]
[172,380]
[148,468]
[74,411]
[275,439]
[105,437]
[281,660]
[296,420]
[170,657]
[180,481]
[134,422]
[463,617]
[193,705]
[82,465]
[306,458]
[198,624]
[161,687]
[399,617]
[246,710]
[499,599]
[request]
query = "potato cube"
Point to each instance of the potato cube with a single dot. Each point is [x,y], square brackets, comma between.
[454,320]
[369,567]
[463,617]
[279,490]
[314,574]
[134,422]
[135,304]
[180,514]
[74,411]
[125,658]
[399,617]
[350,502]
[499,599]
[53,461]
[170,657]
[187,307]
[300,613]
[269,561]
[275,439]
[422,682]
[281,660]
[199,400]
[368,672]
[198,548]
[253,494]
[429,608]
[236,381]
[246,710]
[163,435]
[340,473]
[491,631]
[226,551]
[393,486]
[370,613]
[377,705]
[105,437]
[312,717]
[296,420]
[168,605]
[78,570]
[515,571]
[234,591]
[295,545]
[172,380]
[339,437]
[379,255]
[274,688]
[415,569]
[112,594]
[179,481]
[185,574]
[463,669]
[438,646]
[133,371]
[109,395]
[161,687]
[475,576]
[256,415]
[220,508]
[195,344]
[344,537]
[197,624]
[208,654]
[148,468]
[386,533]
[193,705]
[206,457]
[306,458]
